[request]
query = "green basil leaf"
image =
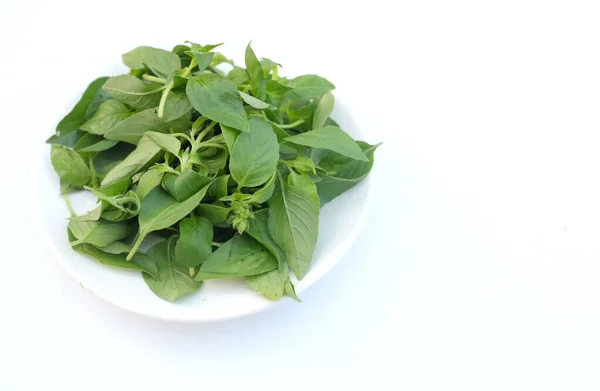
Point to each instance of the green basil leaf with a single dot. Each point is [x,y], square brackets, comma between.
[92,215]
[258,228]
[69,166]
[173,280]
[202,58]
[99,233]
[230,135]
[332,138]
[159,211]
[146,152]
[176,106]
[254,156]
[183,186]
[149,180]
[294,220]
[290,291]
[217,98]
[165,141]
[256,75]
[215,213]
[66,140]
[93,143]
[162,62]
[270,284]
[238,76]
[218,188]
[269,65]
[264,193]
[194,245]
[140,261]
[252,101]
[203,48]
[275,88]
[134,127]
[323,110]
[308,87]
[219,58]
[216,162]
[302,163]
[342,173]
[79,113]
[133,91]
[240,256]
[108,115]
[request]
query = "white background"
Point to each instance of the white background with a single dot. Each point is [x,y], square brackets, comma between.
[479,266]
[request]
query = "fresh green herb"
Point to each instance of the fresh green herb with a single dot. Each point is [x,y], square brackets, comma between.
[229,169]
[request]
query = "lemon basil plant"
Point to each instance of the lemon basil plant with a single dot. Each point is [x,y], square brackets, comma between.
[224,172]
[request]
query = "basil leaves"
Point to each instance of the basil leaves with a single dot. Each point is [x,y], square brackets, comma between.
[225,172]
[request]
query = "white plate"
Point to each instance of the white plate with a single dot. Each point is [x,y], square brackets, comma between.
[340,223]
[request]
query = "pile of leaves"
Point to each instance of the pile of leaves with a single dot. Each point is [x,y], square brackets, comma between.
[227,169]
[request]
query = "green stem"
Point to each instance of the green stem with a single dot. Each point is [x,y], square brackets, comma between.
[93,170]
[187,70]
[139,241]
[192,271]
[292,125]
[69,206]
[154,79]
[206,131]
[185,136]
[208,145]
[163,99]
[216,244]
[275,73]
[197,125]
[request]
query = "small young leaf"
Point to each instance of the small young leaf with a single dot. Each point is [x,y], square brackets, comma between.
[252,101]
[323,110]
[255,73]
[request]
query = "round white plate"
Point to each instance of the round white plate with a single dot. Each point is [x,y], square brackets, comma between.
[340,223]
